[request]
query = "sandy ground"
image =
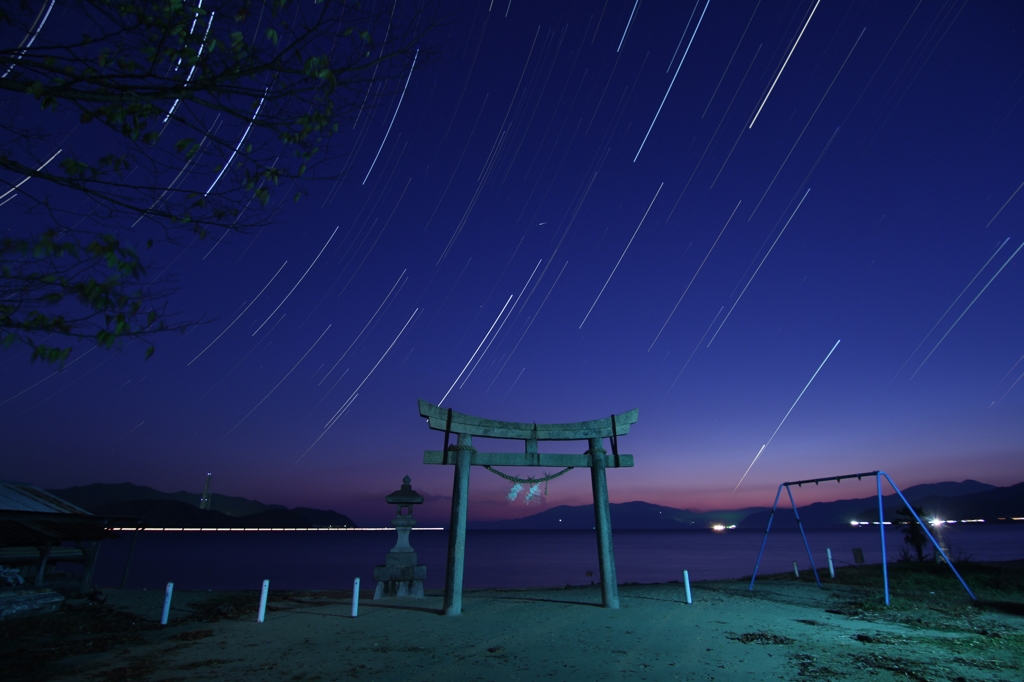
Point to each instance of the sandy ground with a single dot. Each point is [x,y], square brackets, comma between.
[785,630]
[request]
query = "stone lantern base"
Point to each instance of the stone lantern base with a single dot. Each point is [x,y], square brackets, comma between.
[400,576]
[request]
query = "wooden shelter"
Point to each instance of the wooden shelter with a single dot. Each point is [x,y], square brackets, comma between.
[39,529]
[463,456]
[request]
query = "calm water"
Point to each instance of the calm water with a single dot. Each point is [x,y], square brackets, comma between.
[330,560]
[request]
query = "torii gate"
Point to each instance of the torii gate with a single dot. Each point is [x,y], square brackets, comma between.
[463,455]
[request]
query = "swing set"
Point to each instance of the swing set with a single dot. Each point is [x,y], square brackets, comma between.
[881,527]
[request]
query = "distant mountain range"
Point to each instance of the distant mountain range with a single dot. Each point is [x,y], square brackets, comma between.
[948,500]
[965,500]
[181,509]
[625,516]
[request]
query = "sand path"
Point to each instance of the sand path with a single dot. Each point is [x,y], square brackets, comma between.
[780,632]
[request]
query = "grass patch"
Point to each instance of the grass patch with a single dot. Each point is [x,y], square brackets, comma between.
[226,606]
[29,645]
[192,635]
[762,638]
[924,594]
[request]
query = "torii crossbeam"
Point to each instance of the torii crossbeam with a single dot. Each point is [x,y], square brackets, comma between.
[463,455]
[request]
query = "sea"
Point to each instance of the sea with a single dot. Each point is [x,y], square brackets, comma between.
[330,560]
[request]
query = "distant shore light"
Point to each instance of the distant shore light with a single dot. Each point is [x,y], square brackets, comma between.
[210,530]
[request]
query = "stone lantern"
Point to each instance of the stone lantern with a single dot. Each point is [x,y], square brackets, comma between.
[400,576]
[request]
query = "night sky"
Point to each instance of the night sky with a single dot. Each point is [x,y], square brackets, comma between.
[529,247]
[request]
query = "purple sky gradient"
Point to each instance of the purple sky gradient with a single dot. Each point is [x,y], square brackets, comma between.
[928,148]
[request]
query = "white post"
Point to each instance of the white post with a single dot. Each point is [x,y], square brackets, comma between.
[167,603]
[796,571]
[355,598]
[263,601]
[831,567]
[686,584]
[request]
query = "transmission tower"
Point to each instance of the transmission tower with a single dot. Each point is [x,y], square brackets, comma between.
[204,502]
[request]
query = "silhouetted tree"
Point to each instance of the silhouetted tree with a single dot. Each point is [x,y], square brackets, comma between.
[913,533]
[124,122]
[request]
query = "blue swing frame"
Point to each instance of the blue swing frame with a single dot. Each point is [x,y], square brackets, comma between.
[881,526]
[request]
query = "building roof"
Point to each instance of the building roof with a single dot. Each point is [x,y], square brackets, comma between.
[30,516]
[19,529]
[28,498]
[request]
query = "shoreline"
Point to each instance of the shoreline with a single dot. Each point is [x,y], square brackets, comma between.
[785,629]
[325,560]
